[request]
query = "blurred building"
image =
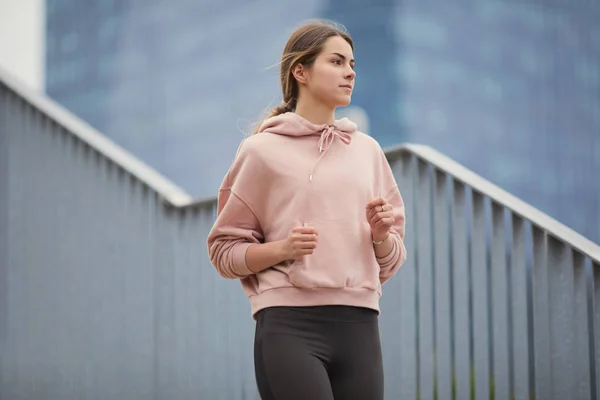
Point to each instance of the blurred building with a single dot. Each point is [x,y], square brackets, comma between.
[510,89]
[22,38]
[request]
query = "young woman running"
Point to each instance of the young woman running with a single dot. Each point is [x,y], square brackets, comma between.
[310,219]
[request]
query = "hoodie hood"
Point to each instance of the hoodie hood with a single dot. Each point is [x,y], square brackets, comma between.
[291,124]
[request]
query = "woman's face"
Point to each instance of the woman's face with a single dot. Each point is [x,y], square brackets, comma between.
[330,79]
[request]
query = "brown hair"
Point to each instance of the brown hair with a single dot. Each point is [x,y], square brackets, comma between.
[303,47]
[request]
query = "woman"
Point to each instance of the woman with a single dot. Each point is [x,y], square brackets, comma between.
[311,220]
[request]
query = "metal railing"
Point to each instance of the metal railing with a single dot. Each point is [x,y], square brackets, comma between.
[506,298]
[107,290]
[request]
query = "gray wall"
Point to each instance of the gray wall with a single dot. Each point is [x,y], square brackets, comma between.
[107,291]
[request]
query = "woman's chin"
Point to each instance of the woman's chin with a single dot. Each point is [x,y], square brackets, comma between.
[340,101]
[344,101]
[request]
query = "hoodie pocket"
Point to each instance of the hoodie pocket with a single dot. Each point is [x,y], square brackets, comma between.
[344,257]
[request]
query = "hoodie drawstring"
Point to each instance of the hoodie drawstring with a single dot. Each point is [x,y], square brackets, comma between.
[327,137]
[329,134]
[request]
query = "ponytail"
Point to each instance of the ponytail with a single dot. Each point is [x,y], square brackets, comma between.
[281,109]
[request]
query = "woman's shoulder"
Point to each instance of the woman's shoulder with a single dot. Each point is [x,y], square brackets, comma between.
[259,142]
[264,145]
[367,142]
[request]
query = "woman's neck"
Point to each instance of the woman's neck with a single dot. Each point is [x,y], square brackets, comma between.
[315,112]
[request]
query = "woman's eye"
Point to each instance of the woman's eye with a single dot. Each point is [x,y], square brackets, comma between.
[338,62]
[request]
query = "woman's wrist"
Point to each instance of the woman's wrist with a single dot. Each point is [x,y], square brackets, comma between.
[380,239]
[384,246]
[282,251]
[261,256]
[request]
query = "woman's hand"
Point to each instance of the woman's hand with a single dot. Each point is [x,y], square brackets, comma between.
[302,241]
[381,218]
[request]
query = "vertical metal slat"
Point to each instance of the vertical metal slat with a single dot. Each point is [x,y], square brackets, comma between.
[4,248]
[596,316]
[541,316]
[425,282]
[481,318]
[4,245]
[442,277]
[560,274]
[460,280]
[499,305]
[520,323]
[582,329]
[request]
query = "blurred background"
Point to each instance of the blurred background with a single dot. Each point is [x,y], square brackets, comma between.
[508,88]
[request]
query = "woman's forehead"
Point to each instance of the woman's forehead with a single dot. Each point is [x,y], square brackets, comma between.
[338,45]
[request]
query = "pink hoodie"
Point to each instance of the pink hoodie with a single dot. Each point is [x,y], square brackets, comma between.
[294,173]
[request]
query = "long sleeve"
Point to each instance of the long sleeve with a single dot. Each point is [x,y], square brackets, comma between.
[389,188]
[237,225]
[392,262]
[235,229]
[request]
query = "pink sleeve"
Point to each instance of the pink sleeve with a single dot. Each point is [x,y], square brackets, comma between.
[388,186]
[234,230]
[392,262]
[237,225]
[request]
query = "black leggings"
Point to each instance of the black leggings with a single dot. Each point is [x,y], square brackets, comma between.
[318,353]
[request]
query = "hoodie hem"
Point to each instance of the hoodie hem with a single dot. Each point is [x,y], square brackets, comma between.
[297,297]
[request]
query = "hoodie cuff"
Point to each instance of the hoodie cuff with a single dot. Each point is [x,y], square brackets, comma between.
[385,260]
[239,260]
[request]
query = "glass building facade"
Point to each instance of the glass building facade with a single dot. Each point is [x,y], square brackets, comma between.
[509,89]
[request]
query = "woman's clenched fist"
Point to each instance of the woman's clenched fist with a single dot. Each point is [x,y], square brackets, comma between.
[302,241]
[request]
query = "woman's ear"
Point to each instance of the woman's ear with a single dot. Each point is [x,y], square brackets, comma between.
[300,73]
